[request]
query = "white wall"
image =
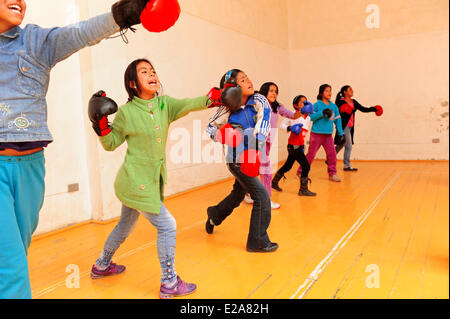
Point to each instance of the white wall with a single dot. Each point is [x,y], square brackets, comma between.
[409,80]
[66,156]
[403,67]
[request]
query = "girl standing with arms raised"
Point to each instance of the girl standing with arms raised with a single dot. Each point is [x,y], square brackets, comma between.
[325,114]
[348,107]
[143,123]
[298,129]
[251,117]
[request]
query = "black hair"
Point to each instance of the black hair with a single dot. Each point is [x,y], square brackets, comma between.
[297,99]
[230,75]
[341,95]
[322,89]
[264,90]
[132,77]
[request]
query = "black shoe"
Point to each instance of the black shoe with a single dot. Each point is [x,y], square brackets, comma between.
[209,226]
[268,249]
[275,181]
[350,169]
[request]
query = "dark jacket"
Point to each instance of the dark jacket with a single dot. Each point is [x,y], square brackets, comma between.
[346,117]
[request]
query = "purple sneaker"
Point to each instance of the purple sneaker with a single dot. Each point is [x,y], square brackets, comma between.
[180,289]
[112,270]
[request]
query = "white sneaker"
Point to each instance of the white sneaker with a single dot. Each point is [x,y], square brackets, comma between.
[274,205]
[248,199]
[335,178]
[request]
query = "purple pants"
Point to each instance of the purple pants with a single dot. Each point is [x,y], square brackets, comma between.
[315,142]
[265,170]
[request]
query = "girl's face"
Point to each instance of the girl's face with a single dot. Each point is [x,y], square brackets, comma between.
[272,94]
[301,104]
[245,84]
[348,93]
[12,13]
[148,80]
[327,94]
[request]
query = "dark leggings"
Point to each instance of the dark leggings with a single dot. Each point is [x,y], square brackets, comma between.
[295,154]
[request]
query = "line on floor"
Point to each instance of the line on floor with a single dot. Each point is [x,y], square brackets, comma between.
[303,289]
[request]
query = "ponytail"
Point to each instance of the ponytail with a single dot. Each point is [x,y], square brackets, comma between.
[341,95]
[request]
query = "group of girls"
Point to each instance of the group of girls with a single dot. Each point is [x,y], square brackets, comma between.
[143,122]
[323,115]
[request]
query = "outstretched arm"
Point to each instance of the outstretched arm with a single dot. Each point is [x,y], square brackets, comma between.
[50,46]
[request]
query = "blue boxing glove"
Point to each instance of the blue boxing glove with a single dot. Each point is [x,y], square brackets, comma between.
[307,108]
[296,129]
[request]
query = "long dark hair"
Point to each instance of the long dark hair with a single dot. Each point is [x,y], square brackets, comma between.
[341,95]
[264,90]
[131,77]
[322,89]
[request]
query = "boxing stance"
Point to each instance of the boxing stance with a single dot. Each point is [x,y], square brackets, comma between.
[325,114]
[26,58]
[270,91]
[298,129]
[144,124]
[251,117]
[348,107]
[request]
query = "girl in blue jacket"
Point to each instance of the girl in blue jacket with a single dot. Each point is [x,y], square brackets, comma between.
[325,115]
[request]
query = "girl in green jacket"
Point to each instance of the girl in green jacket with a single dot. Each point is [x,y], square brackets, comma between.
[143,123]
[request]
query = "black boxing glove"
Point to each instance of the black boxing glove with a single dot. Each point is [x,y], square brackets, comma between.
[327,113]
[99,108]
[127,13]
[340,140]
[232,95]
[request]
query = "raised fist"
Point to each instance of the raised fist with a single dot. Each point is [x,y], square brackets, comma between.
[99,108]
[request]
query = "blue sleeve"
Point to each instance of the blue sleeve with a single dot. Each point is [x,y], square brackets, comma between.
[51,46]
[317,114]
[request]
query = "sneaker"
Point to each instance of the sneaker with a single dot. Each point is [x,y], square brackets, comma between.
[274,205]
[350,169]
[112,270]
[248,199]
[335,178]
[181,288]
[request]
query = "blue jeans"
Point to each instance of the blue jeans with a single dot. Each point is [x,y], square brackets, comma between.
[348,146]
[22,191]
[261,212]
[167,230]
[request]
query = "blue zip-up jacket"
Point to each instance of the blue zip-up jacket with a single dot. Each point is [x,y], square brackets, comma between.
[254,120]
[322,125]
[26,58]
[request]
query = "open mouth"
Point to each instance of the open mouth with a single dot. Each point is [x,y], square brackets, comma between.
[15,8]
[152,83]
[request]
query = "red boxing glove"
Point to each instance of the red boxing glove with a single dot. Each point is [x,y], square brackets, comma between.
[104,127]
[346,108]
[379,110]
[160,15]
[215,96]
[250,162]
[229,136]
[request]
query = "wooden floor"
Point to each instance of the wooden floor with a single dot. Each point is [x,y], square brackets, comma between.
[381,233]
